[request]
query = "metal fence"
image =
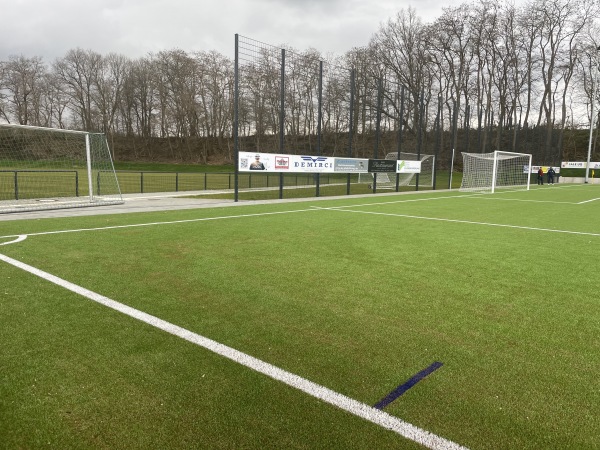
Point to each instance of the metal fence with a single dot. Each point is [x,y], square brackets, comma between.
[29,184]
[291,103]
[140,182]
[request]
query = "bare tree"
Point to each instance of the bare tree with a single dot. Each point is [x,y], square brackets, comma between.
[451,42]
[108,87]
[23,86]
[142,98]
[561,22]
[400,47]
[77,74]
[214,103]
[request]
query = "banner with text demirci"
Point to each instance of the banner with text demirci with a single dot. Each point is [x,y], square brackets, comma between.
[272,162]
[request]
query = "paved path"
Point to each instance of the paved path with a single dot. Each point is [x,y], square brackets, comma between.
[132,203]
[162,202]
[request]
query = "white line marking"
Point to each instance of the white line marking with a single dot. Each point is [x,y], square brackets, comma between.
[407,216]
[588,201]
[21,237]
[481,196]
[404,201]
[115,227]
[528,200]
[135,225]
[312,208]
[327,395]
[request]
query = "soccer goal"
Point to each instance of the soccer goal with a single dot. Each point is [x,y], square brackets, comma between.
[487,172]
[388,180]
[47,168]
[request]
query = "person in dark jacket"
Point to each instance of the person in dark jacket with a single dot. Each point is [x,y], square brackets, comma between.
[551,174]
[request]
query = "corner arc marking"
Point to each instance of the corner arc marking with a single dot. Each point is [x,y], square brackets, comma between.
[21,238]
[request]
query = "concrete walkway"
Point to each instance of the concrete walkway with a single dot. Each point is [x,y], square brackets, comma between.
[169,201]
[132,203]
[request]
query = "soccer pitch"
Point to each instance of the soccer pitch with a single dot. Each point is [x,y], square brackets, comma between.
[441,319]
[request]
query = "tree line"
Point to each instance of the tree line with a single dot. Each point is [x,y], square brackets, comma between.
[491,66]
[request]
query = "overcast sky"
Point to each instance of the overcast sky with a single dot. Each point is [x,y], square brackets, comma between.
[49,28]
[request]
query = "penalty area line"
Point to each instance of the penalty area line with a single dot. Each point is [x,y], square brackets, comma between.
[315,390]
[149,224]
[469,222]
[588,201]
[404,200]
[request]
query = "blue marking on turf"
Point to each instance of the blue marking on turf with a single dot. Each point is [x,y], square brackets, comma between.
[406,386]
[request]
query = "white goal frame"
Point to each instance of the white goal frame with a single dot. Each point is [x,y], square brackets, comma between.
[488,172]
[50,168]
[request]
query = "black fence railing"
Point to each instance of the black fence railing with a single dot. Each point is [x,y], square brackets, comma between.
[141,182]
[20,184]
[29,184]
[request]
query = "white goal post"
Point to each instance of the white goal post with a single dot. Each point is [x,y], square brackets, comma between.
[388,180]
[48,168]
[487,172]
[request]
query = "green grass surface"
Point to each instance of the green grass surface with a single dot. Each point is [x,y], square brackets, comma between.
[358,298]
[164,167]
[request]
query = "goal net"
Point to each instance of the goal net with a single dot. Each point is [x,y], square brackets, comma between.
[496,170]
[388,180]
[47,168]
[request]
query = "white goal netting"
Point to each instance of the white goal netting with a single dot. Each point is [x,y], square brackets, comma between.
[47,168]
[388,180]
[487,172]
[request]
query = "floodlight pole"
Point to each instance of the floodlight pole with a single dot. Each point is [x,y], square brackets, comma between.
[592,117]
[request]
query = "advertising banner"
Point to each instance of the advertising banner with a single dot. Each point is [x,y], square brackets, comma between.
[259,162]
[382,165]
[319,164]
[351,165]
[579,165]
[408,166]
[272,162]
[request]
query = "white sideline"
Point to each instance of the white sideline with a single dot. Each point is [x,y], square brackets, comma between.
[327,395]
[439,219]
[148,224]
[204,219]
[588,201]
[527,201]
[314,208]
